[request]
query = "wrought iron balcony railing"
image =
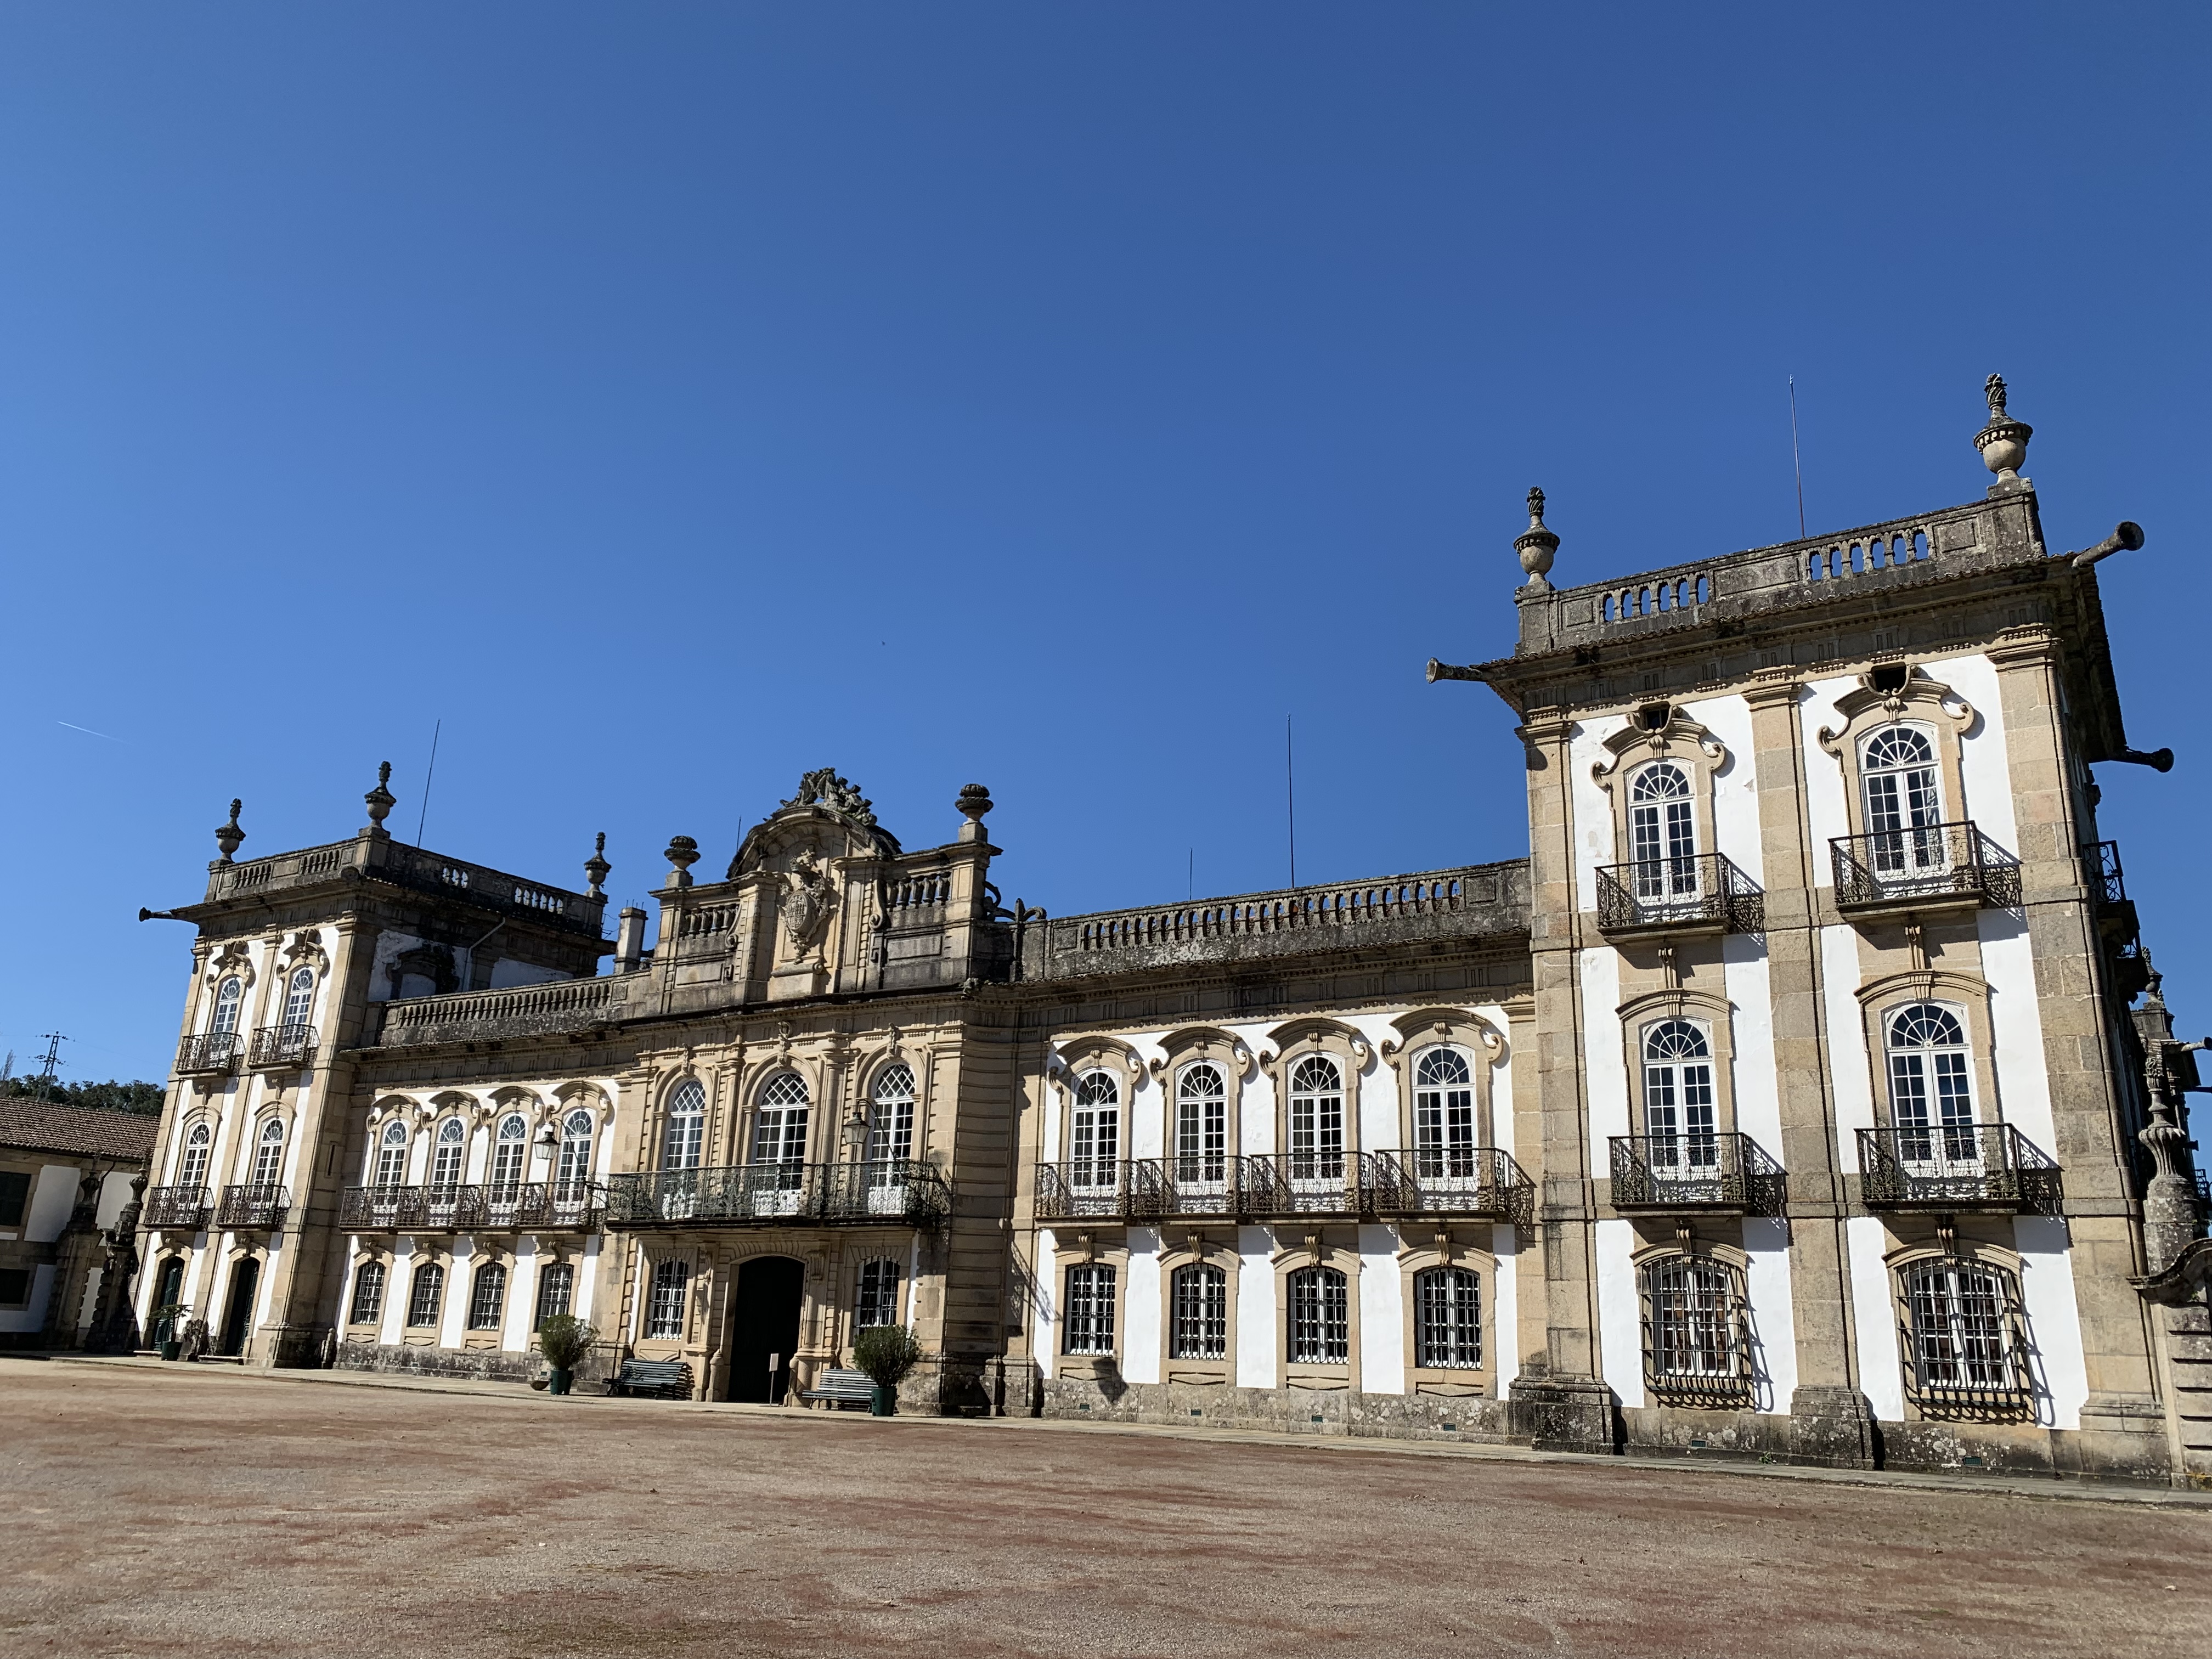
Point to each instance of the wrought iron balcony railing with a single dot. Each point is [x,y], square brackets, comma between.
[904,1192]
[207,1054]
[1957,1166]
[1679,894]
[2101,872]
[1716,1170]
[1933,863]
[1472,1181]
[185,1207]
[284,1046]
[257,1205]
[498,1206]
[1440,1180]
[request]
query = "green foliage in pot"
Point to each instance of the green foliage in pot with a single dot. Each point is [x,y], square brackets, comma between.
[564,1340]
[886,1353]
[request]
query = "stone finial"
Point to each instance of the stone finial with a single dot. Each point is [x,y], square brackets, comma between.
[683,852]
[381,800]
[596,867]
[1536,545]
[2003,441]
[228,836]
[975,801]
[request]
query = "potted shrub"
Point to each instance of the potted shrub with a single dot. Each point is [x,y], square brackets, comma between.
[886,1353]
[168,1327]
[564,1340]
[196,1335]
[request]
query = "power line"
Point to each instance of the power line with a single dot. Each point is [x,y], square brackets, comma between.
[1290,792]
[433,772]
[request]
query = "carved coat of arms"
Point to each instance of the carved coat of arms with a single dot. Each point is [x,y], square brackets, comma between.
[807,902]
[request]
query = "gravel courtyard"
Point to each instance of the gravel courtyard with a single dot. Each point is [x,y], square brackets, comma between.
[160,1511]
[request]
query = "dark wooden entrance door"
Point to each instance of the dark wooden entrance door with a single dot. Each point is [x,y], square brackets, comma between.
[765,1322]
[238,1309]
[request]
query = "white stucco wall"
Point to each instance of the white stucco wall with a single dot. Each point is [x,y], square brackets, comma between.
[1772,1313]
[1619,1314]
[1382,1313]
[1735,790]
[1874,1314]
[1256,1309]
[1592,803]
[1140,1340]
[2054,1322]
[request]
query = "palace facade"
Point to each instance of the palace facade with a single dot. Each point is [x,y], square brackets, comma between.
[1791,1098]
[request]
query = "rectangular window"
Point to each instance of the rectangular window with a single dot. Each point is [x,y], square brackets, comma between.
[1321,1327]
[488,1301]
[1201,1313]
[422,1301]
[1090,1310]
[556,1292]
[664,1317]
[1098,1141]
[1965,1347]
[369,1293]
[15,1287]
[14,1196]
[1449,1306]
[1693,1319]
[878,1302]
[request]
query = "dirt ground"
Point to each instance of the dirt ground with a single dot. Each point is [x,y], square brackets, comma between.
[155,1512]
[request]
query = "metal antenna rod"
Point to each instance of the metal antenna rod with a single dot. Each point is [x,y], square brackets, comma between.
[427,776]
[1793,461]
[1290,792]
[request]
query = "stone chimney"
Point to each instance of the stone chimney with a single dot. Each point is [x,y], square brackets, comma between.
[630,941]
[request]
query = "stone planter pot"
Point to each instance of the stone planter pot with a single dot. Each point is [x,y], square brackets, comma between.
[882,1402]
[558,1382]
[171,1350]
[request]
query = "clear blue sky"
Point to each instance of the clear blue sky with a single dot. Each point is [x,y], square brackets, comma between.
[674,397]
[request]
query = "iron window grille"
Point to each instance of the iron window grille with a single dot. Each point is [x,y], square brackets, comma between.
[1090,1325]
[1696,1351]
[422,1297]
[1198,1295]
[672,1284]
[1966,1342]
[878,1302]
[488,1297]
[556,1292]
[369,1293]
[1320,1317]
[1448,1303]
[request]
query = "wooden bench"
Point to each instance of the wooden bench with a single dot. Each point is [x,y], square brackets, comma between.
[663,1379]
[843,1388]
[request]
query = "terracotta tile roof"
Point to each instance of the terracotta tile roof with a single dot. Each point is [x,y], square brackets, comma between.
[41,1126]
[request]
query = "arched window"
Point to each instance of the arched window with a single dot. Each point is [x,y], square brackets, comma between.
[1444,1114]
[1903,802]
[447,1153]
[1201,1127]
[192,1172]
[890,1126]
[684,1137]
[1198,1298]
[300,996]
[1094,1133]
[556,1291]
[227,997]
[510,1146]
[573,1172]
[423,1296]
[1695,1347]
[663,1315]
[1662,833]
[1090,1322]
[1317,1120]
[1678,1096]
[1320,1326]
[488,1298]
[391,1155]
[878,1302]
[780,1128]
[1964,1345]
[369,1293]
[1448,1304]
[1931,1094]
[268,1154]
